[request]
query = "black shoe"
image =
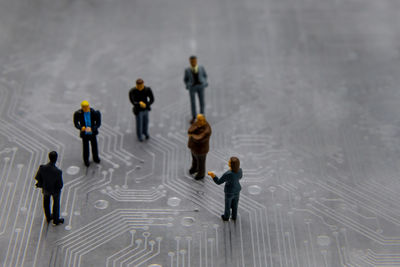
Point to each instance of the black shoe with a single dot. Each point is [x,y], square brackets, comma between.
[147,137]
[49,219]
[192,120]
[198,177]
[192,171]
[59,221]
[233,218]
[97,160]
[140,140]
[87,163]
[224,218]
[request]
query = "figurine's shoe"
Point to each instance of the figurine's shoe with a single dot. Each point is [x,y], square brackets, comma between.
[59,221]
[147,137]
[192,171]
[87,163]
[192,120]
[198,177]
[233,218]
[224,218]
[49,219]
[97,160]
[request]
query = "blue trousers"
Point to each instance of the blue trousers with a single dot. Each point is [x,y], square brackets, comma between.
[142,124]
[231,202]
[199,90]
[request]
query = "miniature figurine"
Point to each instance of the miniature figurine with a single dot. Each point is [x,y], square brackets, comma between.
[232,187]
[49,178]
[88,121]
[195,80]
[199,139]
[141,98]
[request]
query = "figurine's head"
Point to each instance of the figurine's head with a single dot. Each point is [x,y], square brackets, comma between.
[140,84]
[234,164]
[193,61]
[53,157]
[200,119]
[85,106]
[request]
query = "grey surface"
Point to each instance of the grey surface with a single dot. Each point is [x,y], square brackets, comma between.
[304,92]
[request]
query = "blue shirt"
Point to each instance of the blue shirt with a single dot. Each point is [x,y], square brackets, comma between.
[88,121]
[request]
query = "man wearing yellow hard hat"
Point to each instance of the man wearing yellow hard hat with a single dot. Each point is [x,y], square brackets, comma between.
[199,144]
[88,121]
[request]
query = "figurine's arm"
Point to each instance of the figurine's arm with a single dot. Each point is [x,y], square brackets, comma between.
[77,123]
[39,178]
[192,129]
[132,98]
[220,180]
[186,79]
[97,120]
[151,98]
[205,73]
[205,77]
[240,173]
[59,181]
[201,136]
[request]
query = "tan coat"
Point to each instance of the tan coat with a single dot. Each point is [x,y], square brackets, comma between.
[199,139]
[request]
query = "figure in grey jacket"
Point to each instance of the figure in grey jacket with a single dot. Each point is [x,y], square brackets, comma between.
[195,80]
[232,187]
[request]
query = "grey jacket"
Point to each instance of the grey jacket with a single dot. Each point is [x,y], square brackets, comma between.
[188,78]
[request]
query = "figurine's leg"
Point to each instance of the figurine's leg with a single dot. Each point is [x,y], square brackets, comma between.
[201,165]
[192,92]
[200,92]
[95,151]
[146,123]
[85,148]
[139,124]
[46,206]
[194,167]
[235,203]
[56,207]
[228,201]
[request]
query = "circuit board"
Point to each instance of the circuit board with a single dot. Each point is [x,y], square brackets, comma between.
[304,92]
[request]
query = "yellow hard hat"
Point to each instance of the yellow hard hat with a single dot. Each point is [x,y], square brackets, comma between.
[84,103]
[201,116]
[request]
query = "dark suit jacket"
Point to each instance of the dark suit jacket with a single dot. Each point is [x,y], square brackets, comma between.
[146,95]
[199,141]
[188,77]
[49,178]
[231,180]
[79,121]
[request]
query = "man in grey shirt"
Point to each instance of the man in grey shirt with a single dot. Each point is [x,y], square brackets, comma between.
[195,80]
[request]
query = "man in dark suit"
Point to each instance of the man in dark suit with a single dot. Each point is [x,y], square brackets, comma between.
[195,80]
[88,121]
[199,144]
[49,178]
[141,98]
[232,187]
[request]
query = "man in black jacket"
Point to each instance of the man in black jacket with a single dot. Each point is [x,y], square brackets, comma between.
[49,178]
[141,98]
[88,120]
